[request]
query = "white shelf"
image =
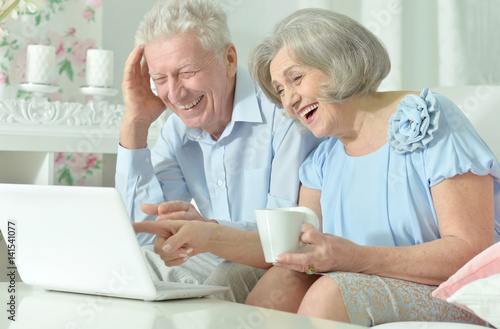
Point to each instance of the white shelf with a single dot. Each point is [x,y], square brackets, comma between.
[42,128]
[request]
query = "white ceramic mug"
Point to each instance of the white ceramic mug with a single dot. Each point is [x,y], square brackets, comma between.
[280,228]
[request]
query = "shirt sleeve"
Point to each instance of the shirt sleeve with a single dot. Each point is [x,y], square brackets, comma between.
[134,180]
[166,167]
[456,147]
[292,143]
[148,176]
[311,170]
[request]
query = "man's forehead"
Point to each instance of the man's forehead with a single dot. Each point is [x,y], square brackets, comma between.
[170,60]
[184,65]
[180,67]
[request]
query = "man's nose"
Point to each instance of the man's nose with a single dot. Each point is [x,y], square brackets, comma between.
[176,91]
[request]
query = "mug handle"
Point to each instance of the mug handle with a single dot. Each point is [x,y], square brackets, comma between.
[310,218]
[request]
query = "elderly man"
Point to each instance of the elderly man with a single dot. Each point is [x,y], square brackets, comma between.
[226,146]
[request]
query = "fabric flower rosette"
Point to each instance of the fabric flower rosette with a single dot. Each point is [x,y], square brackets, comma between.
[413,124]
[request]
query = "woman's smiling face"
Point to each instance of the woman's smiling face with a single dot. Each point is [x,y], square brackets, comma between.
[298,86]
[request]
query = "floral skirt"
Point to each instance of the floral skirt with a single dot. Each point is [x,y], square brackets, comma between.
[372,300]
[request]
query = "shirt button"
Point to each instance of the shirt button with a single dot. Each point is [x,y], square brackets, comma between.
[147,160]
[219,182]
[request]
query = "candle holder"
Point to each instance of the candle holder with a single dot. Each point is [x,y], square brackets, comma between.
[98,92]
[39,89]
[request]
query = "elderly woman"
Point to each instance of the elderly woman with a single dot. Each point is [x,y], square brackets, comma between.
[406,189]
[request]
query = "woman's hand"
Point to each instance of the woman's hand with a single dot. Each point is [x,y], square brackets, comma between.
[181,232]
[325,252]
[177,240]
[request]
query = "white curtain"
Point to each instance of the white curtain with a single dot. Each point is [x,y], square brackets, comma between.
[469,37]
[437,43]
[431,42]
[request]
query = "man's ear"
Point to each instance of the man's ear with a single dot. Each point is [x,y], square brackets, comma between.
[231,60]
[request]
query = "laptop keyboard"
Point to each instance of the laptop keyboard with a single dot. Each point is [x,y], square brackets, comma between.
[165,285]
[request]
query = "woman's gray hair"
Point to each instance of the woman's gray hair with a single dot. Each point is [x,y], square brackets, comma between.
[353,58]
[205,18]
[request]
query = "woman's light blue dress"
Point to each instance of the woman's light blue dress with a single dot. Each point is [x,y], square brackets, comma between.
[384,198]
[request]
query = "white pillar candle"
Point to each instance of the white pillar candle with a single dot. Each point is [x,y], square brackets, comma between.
[40,64]
[99,68]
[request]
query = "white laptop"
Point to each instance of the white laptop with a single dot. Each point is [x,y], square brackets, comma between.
[80,239]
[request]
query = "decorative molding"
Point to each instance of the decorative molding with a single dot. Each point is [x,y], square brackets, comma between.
[40,111]
[40,125]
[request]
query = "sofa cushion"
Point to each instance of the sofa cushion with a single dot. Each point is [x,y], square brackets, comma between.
[476,286]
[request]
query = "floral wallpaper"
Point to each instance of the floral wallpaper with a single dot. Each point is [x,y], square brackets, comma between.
[72,27]
[78,169]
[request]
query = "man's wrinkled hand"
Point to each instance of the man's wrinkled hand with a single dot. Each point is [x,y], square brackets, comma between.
[175,210]
[177,240]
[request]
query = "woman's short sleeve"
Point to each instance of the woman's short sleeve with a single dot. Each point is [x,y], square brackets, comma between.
[457,148]
[312,169]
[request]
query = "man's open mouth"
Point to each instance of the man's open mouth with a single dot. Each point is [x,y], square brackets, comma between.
[190,105]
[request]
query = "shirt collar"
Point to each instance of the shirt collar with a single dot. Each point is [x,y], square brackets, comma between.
[245,108]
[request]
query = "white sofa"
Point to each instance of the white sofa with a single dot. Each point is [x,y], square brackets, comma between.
[481,104]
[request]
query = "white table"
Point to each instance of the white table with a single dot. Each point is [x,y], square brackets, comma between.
[37,308]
